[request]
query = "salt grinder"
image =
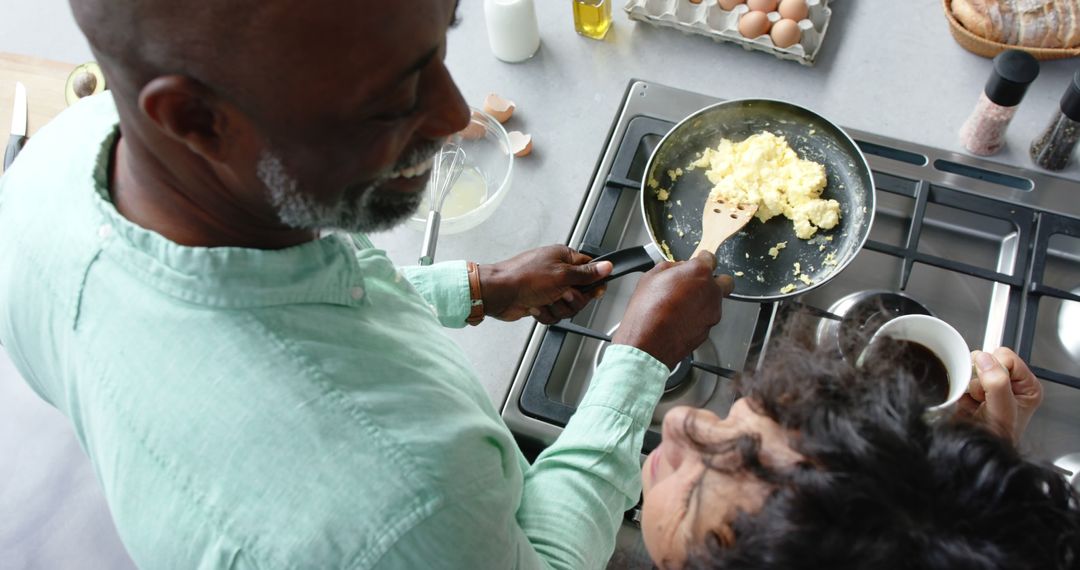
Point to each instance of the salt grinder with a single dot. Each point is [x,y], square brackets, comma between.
[1053,148]
[984,131]
[512,29]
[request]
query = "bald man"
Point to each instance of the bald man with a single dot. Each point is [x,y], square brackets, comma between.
[185,273]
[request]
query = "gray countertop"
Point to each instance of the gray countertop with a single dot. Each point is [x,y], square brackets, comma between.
[886,67]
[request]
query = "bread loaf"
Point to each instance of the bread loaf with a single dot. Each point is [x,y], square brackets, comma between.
[1029,23]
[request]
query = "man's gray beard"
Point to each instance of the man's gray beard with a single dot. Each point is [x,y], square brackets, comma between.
[359,210]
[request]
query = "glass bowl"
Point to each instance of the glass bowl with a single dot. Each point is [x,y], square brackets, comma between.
[484,180]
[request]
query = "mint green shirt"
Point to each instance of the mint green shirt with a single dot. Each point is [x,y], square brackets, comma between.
[297,408]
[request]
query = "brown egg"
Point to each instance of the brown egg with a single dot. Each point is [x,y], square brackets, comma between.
[786,33]
[794,9]
[754,24]
[762,5]
[729,5]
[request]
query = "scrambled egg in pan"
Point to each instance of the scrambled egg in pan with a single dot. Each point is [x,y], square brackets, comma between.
[764,170]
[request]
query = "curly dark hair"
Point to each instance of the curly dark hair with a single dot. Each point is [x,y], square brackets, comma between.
[883,487]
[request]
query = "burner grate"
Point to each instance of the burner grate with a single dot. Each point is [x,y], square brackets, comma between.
[1047,225]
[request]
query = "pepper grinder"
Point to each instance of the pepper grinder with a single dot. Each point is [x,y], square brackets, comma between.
[1053,148]
[512,29]
[984,131]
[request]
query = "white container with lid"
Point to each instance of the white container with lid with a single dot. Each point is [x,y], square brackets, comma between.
[512,29]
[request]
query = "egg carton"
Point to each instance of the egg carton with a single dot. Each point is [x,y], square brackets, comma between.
[709,19]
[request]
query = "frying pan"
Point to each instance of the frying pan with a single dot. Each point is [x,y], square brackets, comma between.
[675,224]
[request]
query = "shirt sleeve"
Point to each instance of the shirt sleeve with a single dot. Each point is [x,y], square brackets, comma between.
[578,489]
[574,495]
[444,286]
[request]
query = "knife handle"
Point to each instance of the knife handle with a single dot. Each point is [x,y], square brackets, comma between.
[15,144]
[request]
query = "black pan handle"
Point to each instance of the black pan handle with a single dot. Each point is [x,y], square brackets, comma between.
[625,261]
[571,327]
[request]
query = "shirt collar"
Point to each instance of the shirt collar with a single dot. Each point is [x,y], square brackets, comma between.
[320,271]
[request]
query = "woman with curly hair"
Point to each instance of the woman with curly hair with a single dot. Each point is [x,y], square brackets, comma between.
[822,464]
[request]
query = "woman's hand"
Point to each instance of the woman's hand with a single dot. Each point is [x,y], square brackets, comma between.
[540,282]
[1004,394]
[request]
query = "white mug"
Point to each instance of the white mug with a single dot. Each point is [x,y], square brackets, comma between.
[943,340]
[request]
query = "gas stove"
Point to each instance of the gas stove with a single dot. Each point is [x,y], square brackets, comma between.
[991,249]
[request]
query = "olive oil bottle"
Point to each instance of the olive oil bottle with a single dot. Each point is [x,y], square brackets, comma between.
[592,18]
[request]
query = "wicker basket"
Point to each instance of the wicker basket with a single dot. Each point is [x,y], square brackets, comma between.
[987,48]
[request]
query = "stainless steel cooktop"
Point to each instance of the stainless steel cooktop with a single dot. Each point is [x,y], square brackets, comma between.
[993,250]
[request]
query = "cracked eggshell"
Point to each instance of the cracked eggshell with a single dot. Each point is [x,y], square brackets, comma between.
[498,107]
[475,130]
[520,143]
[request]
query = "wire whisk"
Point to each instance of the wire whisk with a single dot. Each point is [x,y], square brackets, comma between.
[444,173]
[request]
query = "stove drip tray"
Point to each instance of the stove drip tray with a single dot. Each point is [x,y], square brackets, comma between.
[854,319]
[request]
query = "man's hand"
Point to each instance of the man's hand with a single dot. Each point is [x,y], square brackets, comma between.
[1004,394]
[673,308]
[540,282]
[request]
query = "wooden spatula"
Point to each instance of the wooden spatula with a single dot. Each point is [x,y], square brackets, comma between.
[721,220]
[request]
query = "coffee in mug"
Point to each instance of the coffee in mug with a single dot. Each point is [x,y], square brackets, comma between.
[929,371]
[935,351]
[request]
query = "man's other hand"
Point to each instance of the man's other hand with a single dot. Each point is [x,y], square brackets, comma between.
[541,282]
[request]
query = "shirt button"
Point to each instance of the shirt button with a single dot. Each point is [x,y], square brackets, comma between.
[104,231]
[357,293]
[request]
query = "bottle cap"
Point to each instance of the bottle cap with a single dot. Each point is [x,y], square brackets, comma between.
[1070,101]
[1013,71]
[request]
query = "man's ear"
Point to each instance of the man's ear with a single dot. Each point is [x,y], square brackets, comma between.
[189,113]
